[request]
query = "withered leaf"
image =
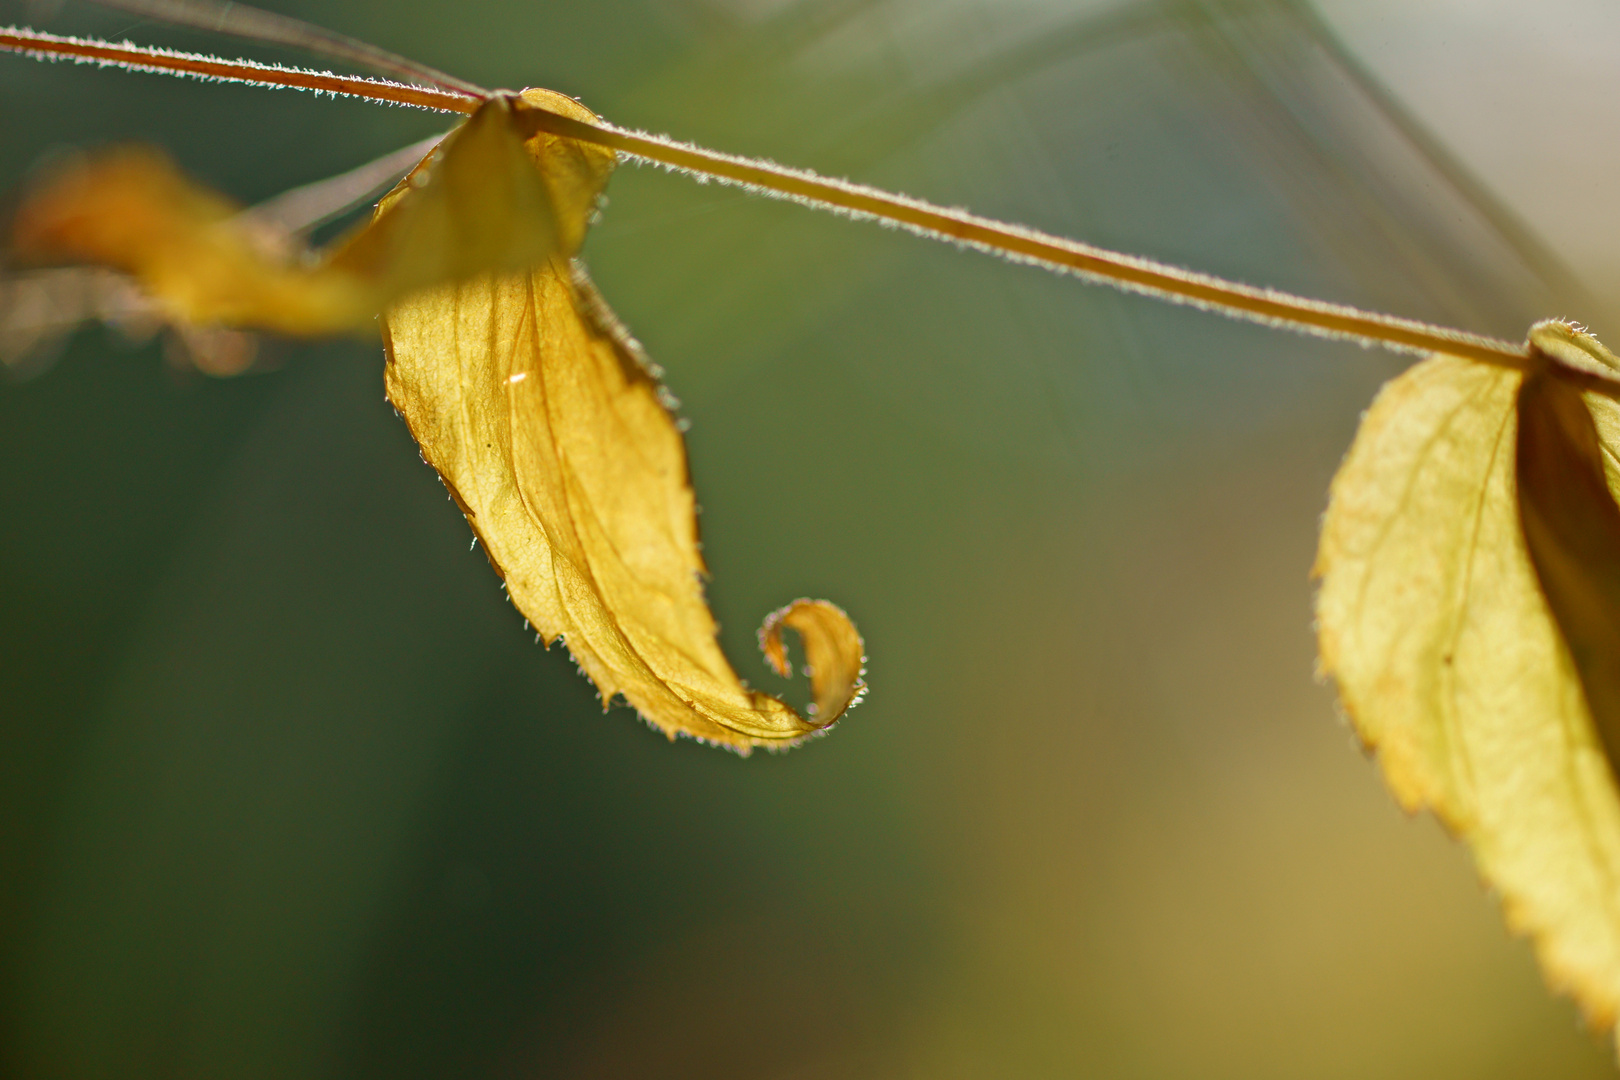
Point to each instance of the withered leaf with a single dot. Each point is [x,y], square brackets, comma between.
[41,308]
[546,423]
[479,204]
[1448,659]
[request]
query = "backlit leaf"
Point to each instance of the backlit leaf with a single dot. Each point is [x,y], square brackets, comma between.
[552,432]
[1448,659]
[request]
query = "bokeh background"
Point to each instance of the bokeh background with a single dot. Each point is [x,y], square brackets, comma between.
[287,791]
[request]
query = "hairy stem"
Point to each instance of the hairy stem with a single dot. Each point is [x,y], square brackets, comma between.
[1128,272]
[169,62]
[270,28]
[1266,306]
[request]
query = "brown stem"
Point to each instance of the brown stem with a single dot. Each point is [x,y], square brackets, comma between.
[144,58]
[1266,306]
[266,27]
[1128,272]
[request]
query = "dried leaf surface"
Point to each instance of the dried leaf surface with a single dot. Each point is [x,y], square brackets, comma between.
[1451,665]
[552,433]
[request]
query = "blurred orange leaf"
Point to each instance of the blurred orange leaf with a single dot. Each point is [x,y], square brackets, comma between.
[482,205]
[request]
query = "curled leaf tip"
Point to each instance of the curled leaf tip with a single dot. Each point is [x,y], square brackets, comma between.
[835,656]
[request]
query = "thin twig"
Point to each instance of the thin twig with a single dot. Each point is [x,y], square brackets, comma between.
[42,46]
[1267,306]
[306,208]
[240,20]
[1128,272]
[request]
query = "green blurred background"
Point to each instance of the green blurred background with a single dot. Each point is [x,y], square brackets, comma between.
[287,791]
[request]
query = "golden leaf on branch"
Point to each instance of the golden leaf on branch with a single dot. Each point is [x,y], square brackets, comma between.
[1435,623]
[538,410]
[550,429]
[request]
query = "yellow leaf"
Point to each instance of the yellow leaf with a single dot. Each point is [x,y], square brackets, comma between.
[1433,623]
[548,427]
[477,203]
